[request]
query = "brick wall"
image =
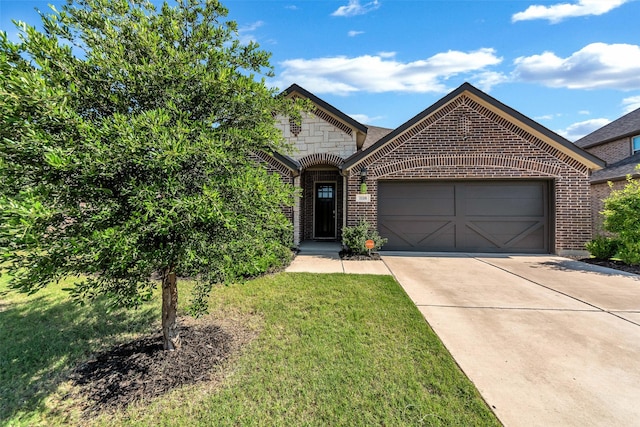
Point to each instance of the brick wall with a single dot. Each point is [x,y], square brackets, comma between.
[465,140]
[599,192]
[613,151]
[273,166]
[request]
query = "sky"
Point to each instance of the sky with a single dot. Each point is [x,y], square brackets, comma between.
[571,65]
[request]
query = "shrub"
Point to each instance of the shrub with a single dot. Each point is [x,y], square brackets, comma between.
[629,253]
[603,247]
[622,217]
[355,237]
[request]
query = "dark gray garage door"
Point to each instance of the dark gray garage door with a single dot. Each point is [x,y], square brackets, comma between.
[470,216]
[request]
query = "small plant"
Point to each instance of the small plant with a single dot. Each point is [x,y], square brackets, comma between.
[603,247]
[629,253]
[355,238]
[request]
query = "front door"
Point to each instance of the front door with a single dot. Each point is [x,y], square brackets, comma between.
[325,211]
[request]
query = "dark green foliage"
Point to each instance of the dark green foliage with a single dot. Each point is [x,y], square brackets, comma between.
[603,247]
[622,217]
[355,237]
[125,142]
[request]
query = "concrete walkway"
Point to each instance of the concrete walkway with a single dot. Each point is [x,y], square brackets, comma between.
[547,341]
[322,257]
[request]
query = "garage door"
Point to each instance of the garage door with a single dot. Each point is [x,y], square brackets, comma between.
[470,216]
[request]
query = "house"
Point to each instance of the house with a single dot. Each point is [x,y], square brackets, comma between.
[468,174]
[618,144]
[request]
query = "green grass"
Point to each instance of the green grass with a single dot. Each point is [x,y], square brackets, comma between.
[331,350]
[42,335]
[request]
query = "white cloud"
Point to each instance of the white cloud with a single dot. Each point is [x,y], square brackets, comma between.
[291,7]
[580,129]
[545,117]
[596,66]
[355,8]
[584,112]
[363,118]
[631,103]
[386,54]
[246,32]
[557,12]
[486,80]
[376,74]
[354,33]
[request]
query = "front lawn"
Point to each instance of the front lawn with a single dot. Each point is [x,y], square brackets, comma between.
[326,350]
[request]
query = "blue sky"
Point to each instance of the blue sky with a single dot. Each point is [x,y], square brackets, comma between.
[571,65]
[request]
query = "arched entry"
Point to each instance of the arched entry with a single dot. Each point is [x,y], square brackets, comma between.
[322,206]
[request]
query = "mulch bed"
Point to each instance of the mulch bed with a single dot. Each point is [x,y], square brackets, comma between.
[348,255]
[617,265]
[141,369]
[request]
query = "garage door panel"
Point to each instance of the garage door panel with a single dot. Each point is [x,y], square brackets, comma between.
[503,207]
[417,190]
[413,208]
[416,200]
[504,200]
[415,234]
[465,216]
[508,234]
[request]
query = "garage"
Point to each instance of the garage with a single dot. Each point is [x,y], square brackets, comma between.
[465,216]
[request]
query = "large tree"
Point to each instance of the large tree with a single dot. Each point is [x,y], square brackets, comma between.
[126,135]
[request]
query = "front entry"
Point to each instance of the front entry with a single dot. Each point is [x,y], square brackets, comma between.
[324,213]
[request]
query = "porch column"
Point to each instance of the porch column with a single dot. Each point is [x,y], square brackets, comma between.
[345,199]
[296,213]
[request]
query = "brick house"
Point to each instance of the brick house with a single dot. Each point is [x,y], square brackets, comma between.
[618,144]
[468,174]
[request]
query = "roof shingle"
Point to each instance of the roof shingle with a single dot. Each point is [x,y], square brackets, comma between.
[626,125]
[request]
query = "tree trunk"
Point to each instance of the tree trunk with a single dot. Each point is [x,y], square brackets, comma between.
[170,310]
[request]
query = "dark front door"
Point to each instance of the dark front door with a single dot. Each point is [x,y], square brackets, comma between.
[325,211]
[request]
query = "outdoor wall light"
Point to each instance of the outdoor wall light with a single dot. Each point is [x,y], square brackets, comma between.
[363,175]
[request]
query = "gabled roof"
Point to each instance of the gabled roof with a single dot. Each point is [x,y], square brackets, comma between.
[359,128]
[627,125]
[618,171]
[374,135]
[496,106]
[288,162]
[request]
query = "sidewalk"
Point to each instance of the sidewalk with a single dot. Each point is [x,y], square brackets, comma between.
[322,257]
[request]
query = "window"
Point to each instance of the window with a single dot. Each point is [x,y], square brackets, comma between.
[325,191]
[635,144]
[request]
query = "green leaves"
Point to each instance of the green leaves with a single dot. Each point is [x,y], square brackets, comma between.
[622,216]
[125,138]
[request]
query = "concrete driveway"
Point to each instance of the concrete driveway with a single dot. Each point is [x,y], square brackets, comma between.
[547,341]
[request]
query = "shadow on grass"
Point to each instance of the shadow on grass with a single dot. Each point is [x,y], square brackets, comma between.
[43,336]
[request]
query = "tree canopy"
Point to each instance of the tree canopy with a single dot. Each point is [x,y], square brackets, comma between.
[126,135]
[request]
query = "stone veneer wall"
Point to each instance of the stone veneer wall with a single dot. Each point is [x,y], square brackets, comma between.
[465,140]
[316,135]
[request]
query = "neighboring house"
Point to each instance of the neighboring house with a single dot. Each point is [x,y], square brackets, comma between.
[618,144]
[468,174]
